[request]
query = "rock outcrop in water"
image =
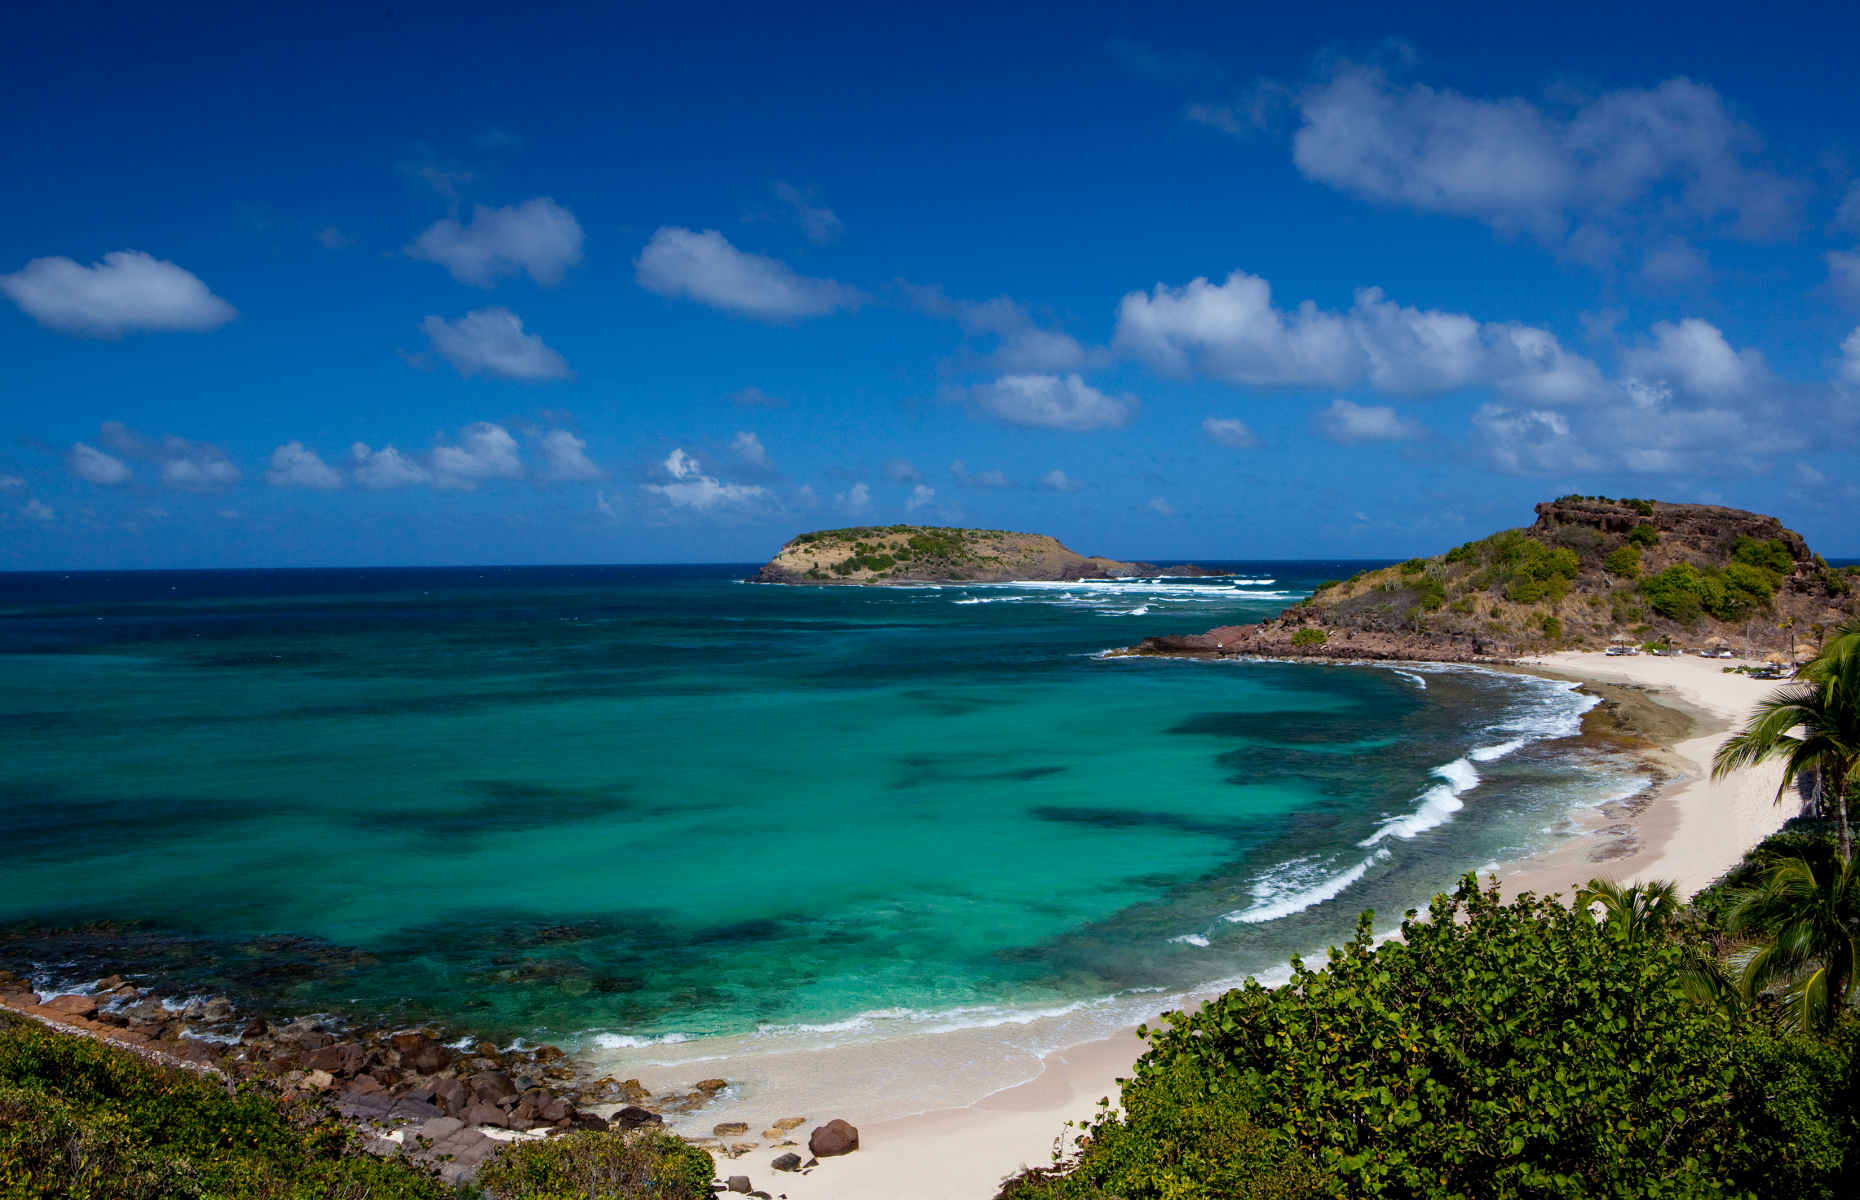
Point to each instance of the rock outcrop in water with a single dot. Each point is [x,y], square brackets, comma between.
[879,554]
[1589,573]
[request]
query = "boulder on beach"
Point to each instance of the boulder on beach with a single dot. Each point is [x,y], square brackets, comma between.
[834,1138]
[786,1162]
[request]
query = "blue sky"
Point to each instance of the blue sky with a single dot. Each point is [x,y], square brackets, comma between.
[455,284]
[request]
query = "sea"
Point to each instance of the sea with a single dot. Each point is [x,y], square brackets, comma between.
[665,817]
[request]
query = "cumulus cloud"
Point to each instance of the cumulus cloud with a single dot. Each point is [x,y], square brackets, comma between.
[1232,331]
[1230,431]
[1051,402]
[10,483]
[855,501]
[539,237]
[1693,356]
[565,456]
[37,510]
[198,468]
[899,470]
[1634,158]
[1057,480]
[607,506]
[385,468]
[128,292]
[921,495]
[1021,344]
[688,487]
[483,451]
[978,479]
[1349,423]
[748,449]
[1531,441]
[705,267]
[295,465]
[492,340]
[94,466]
[820,223]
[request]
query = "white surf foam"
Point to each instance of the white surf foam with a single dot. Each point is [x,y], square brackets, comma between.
[1416,680]
[627,1041]
[1438,803]
[1290,889]
[1191,939]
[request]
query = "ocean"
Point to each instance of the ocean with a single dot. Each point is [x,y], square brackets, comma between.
[650,813]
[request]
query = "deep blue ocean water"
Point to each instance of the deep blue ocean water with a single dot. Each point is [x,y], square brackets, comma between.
[613,805]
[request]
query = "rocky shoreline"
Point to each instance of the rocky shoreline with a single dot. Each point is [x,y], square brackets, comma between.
[445,1104]
[1280,640]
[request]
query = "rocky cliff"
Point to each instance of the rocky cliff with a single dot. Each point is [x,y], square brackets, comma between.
[880,554]
[1590,572]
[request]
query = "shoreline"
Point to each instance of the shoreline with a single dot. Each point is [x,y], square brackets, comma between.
[1685,826]
[1668,713]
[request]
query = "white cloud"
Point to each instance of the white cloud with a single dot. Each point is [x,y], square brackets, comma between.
[483,451]
[900,471]
[1694,356]
[385,468]
[1844,275]
[607,506]
[705,267]
[1161,507]
[855,501]
[1230,431]
[1057,480]
[492,340]
[978,479]
[1232,331]
[1850,357]
[9,483]
[538,236]
[691,488]
[1021,345]
[94,466]
[565,456]
[749,450]
[1051,402]
[193,467]
[1847,215]
[755,397]
[920,496]
[127,292]
[332,238]
[1351,423]
[1531,442]
[820,223]
[295,465]
[38,510]
[1633,158]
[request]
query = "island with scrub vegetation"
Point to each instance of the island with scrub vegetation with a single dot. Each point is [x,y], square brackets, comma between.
[1591,572]
[902,554]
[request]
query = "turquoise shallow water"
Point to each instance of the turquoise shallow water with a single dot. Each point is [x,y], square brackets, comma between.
[625,804]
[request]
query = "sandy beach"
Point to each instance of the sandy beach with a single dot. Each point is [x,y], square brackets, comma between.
[1689,829]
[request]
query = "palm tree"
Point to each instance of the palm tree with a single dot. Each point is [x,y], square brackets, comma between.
[1825,706]
[1809,914]
[1633,914]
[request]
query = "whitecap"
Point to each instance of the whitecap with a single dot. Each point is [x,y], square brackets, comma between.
[627,1041]
[1191,939]
[1438,803]
[1290,889]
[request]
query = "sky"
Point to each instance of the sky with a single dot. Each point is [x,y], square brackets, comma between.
[302,286]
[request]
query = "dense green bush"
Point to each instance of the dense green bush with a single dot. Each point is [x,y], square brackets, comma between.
[1623,561]
[1553,627]
[1310,637]
[1770,554]
[83,1121]
[1682,592]
[1643,534]
[1496,1051]
[645,1164]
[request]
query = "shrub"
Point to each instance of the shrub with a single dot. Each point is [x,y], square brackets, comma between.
[86,1121]
[1414,566]
[643,1164]
[1643,507]
[1496,1050]
[1553,627]
[1770,554]
[1644,535]
[1310,637]
[1623,561]
[1677,593]
[1430,594]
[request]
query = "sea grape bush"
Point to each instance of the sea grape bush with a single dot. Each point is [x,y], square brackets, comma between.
[1498,1051]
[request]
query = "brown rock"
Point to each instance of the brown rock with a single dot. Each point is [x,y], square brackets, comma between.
[710,1087]
[730,1129]
[83,1007]
[738,1149]
[633,1116]
[421,1053]
[480,1113]
[256,1028]
[834,1138]
[366,1085]
[585,1120]
[737,1183]
[492,1086]
[343,1059]
[787,1123]
[786,1162]
[318,1081]
[451,1095]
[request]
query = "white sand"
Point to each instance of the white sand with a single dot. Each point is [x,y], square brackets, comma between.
[1693,830]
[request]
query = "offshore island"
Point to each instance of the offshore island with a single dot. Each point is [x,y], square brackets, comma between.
[916,554]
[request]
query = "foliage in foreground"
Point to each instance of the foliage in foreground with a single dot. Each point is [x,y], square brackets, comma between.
[643,1165]
[1500,1050]
[84,1121]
